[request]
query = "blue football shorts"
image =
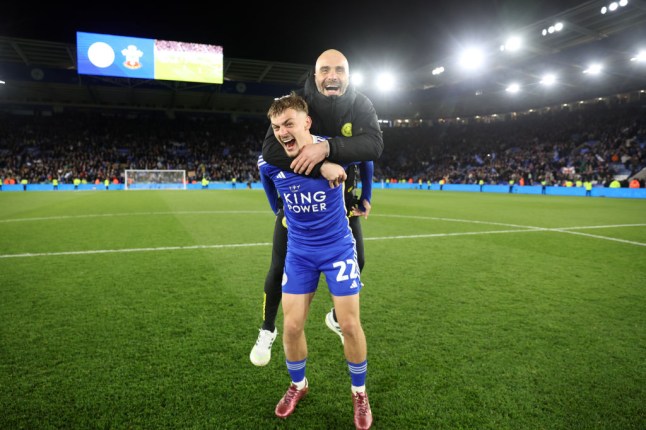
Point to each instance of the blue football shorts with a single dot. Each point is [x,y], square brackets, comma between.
[304,265]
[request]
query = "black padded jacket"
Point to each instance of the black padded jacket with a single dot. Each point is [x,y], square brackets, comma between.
[350,121]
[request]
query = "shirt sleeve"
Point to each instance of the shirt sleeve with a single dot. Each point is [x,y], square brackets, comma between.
[270,189]
[366,172]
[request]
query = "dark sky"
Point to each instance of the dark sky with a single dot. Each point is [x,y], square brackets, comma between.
[409,33]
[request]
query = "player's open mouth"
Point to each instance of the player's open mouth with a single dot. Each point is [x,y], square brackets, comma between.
[290,144]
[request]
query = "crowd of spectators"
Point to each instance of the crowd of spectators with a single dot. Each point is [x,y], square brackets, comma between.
[593,144]
[98,146]
[596,143]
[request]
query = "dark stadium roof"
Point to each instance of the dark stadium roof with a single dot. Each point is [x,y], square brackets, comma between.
[44,72]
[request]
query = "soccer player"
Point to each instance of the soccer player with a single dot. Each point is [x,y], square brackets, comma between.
[319,240]
[337,109]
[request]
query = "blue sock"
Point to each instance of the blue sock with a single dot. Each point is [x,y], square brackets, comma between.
[296,369]
[358,373]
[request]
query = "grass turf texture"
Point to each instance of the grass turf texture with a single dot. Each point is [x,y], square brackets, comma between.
[482,311]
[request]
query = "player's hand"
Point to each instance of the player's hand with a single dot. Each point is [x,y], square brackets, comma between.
[362,211]
[334,173]
[310,156]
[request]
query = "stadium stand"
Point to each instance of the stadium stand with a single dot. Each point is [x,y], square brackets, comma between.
[57,124]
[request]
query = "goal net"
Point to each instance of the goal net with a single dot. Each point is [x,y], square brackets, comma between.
[155,180]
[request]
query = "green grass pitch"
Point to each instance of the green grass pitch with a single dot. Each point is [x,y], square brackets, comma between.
[138,309]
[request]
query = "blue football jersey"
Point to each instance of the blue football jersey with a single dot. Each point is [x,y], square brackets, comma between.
[315,213]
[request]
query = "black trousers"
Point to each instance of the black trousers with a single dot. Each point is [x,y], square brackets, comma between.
[273,280]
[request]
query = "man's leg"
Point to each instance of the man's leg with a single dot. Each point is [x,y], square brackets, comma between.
[355,226]
[261,352]
[273,288]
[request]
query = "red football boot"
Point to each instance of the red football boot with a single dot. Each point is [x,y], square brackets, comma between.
[286,406]
[362,412]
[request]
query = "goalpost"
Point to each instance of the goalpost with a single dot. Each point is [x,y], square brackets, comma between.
[155,179]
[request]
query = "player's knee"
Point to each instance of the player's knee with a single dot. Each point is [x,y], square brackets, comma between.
[292,330]
[350,327]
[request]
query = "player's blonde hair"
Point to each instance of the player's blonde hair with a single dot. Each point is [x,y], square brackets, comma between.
[290,101]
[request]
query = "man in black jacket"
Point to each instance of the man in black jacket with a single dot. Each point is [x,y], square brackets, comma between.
[338,110]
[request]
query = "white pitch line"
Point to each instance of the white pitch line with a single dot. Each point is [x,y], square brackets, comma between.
[520,229]
[242,245]
[116,251]
[614,239]
[463,233]
[64,217]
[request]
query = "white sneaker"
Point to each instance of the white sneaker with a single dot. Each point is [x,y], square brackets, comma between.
[333,325]
[261,351]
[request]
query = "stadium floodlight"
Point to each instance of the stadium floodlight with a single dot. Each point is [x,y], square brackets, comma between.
[640,57]
[613,6]
[385,81]
[471,59]
[513,88]
[144,179]
[357,79]
[437,71]
[593,69]
[548,79]
[512,44]
[554,28]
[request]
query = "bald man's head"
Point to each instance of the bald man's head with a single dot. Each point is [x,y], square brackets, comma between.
[332,73]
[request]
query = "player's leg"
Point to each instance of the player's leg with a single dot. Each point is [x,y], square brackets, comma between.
[355,349]
[345,287]
[301,280]
[261,351]
[355,225]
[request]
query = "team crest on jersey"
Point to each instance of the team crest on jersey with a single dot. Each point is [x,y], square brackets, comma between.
[346,130]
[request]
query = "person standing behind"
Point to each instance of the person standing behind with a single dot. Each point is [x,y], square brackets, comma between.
[336,109]
[319,242]
[587,184]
